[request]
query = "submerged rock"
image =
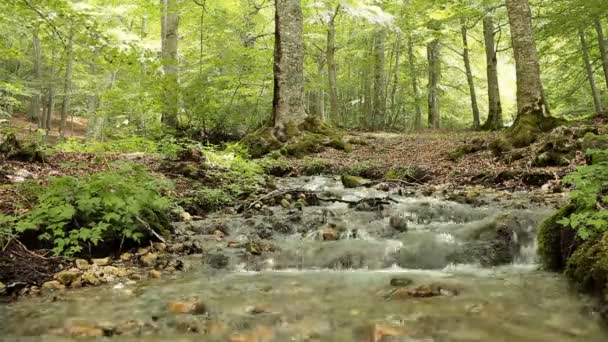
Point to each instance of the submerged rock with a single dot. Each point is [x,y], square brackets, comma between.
[192,307]
[399,223]
[217,261]
[401,282]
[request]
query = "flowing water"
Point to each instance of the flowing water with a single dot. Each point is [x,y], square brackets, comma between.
[329,277]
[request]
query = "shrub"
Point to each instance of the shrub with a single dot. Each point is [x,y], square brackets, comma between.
[105,208]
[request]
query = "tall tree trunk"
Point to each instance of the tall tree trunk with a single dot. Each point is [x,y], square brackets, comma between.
[414,80]
[332,72]
[532,113]
[36,54]
[67,82]
[603,49]
[395,85]
[288,102]
[46,119]
[494,121]
[379,105]
[170,64]
[434,61]
[597,102]
[469,72]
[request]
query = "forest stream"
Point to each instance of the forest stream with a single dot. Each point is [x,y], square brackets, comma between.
[365,264]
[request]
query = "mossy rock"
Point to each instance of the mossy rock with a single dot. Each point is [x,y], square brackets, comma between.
[306,144]
[339,144]
[262,143]
[351,182]
[366,169]
[588,266]
[275,167]
[555,241]
[315,166]
[593,141]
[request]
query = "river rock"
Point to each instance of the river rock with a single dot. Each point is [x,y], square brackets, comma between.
[67,277]
[398,222]
[258,334]
[53,285]
[91,278]
[285,203]
[102,262]
[82,264]
[149,260]
[379,332]
[126,256]
[154,274]
[329,234]
[192,307]
[351,182]
[159,246]
[217,261]
[401,282]
[2,287]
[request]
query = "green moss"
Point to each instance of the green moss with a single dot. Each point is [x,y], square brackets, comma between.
[409,174]
[366,169]
[529,126]
[592,141]
[305,144]
[552,240]
[315,166]
[358,141]
[339,144]
[595,157]
[588,266]
[500,146]
[351,182]
[275,167]
[551,159]
[261,143]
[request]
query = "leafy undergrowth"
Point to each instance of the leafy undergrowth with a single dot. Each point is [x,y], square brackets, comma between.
[75,215]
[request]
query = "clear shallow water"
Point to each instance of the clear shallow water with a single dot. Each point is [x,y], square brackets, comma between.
[314,290]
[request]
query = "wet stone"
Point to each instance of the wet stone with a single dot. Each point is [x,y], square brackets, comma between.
[149,260]
[82,264]
[67,277]
[399,223]
[53,285]
[401,282]
[217,261]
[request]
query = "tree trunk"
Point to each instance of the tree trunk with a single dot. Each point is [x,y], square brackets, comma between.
[170,64]
[67,85]
[597,102]
[469,72]
[288,102]
[395,86]
[379,104]
[532,113]
[35,105]
[494,121]
[414,80]
[603,49]
[332,72]
[434,61]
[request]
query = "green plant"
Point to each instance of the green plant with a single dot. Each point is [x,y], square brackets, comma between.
[590,198]
[108,207]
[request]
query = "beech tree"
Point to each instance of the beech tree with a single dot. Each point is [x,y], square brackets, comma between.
[532,112]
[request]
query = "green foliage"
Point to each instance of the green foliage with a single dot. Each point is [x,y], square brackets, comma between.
[108,207]
[275,167]
[366,169]
[590,197]
[125,145]
[208,199]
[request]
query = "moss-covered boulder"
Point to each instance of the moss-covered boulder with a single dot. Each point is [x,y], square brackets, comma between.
[412,174]
[588,266]
[351,182]
[593,141]
[262,142]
